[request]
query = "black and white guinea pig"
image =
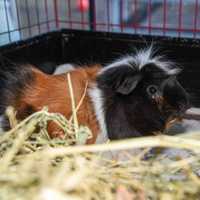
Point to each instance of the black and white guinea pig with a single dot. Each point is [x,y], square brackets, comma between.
[136,95]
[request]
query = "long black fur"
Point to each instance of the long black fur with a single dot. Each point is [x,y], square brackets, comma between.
[129,110]
[13,80]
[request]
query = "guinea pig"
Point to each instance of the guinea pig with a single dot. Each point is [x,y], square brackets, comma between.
[136,95]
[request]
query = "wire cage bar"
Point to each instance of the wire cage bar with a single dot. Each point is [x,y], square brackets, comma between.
[22,19]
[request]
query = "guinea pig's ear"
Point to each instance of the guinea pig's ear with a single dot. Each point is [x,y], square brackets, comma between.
[122,79]
[128,84]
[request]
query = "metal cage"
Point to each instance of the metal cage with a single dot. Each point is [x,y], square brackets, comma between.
[22,19]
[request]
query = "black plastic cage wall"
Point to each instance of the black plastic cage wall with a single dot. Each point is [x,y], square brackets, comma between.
[47,33]
[26,18]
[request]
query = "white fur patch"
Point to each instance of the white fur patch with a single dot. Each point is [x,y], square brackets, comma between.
[142,58]
[118,63]
[63,69]
[97,100]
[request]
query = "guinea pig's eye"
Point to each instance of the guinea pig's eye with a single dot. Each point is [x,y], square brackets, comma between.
[152,89]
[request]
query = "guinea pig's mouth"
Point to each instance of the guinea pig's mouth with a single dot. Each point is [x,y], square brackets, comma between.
[174,117]
[172,120]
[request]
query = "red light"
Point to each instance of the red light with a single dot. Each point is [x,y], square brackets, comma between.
[83,5]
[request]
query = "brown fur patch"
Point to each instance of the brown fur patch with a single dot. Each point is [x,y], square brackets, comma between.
[53,91]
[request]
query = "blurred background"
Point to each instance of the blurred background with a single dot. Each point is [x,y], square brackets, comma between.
[21,19]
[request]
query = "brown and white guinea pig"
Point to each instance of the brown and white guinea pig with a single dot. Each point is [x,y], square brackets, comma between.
[134,96]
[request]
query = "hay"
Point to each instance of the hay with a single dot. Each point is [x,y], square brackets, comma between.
[33,166]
